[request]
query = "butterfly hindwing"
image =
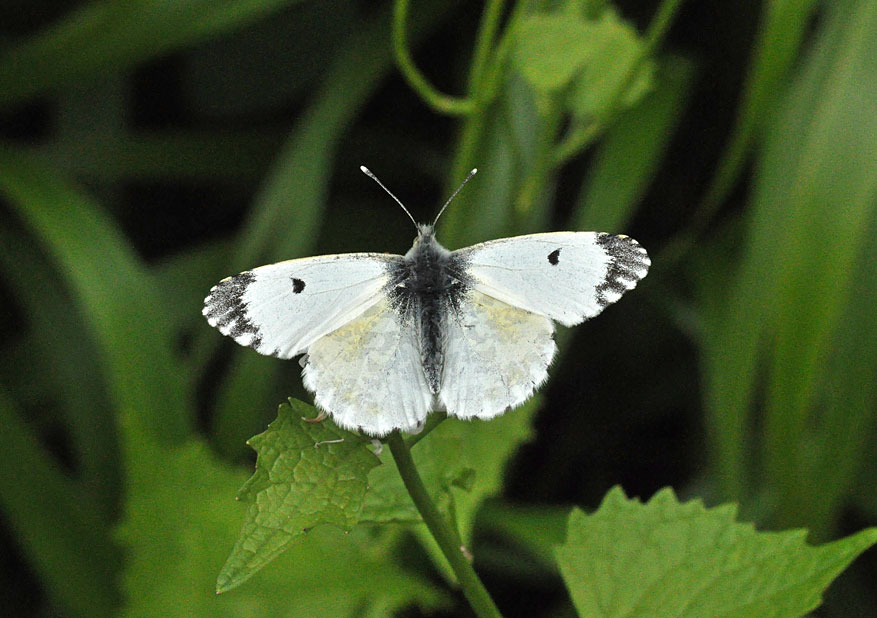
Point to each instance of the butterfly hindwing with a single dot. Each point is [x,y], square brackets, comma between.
[496,355]
[566,276]
[281,309]
[368,373]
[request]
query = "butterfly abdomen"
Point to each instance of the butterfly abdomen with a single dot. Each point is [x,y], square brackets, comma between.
[424,289]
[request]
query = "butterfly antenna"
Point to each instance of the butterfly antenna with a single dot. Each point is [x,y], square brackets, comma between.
[368,173]
[462,184]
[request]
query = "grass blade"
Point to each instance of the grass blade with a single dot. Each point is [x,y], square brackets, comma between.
[63,352]
[105,37]
[63,535]
[114,291]
[630,153]
[782,30]
[838,166]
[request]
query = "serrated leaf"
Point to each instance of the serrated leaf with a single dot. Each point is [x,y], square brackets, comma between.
[306,474]
[550,49]
[180,520]
[666,558]
[615,50]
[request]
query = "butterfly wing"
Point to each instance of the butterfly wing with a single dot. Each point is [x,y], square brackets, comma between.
[281,309]
[496,355]
[566,276]
[500,335]
[368,373]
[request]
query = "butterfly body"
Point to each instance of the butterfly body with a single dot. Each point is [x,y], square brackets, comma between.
[426,287]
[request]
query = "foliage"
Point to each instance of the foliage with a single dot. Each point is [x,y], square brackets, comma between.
[306,474]
[150,149]
[692,561]
[179,526]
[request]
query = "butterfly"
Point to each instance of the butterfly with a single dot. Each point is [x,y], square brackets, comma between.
[389,338]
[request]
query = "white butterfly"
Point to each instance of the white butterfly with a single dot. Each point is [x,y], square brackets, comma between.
[389,338]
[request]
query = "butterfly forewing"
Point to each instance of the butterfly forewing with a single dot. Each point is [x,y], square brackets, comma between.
[566,276]
[281,309]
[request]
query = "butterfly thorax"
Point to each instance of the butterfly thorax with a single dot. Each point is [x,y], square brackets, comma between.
[426,287]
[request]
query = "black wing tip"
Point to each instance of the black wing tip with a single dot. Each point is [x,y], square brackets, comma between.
[226,310]
[625,251]
[629,262]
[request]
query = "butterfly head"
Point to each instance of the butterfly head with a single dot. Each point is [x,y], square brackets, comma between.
[425,243]
[425,233]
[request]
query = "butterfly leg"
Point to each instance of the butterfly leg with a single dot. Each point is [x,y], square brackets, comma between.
[319,418]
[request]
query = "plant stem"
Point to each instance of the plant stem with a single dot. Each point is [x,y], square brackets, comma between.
[431,423]
[439,101]
[485,78]
[447,540]
[484,45]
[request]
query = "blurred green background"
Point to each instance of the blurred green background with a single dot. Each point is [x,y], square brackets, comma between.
[151,148]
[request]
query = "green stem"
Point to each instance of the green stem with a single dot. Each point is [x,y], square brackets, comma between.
[431,423]
[439,101]
[484,45]
[449,542]
[485,78]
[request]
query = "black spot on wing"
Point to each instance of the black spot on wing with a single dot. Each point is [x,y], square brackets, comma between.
[297,285]
[628,263]
[225,309]
[554,257]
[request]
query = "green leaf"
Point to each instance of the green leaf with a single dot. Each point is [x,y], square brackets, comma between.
[550,49]
[615,51]
[847,419]
[59,346]
[813,199]
[838,149]
[666,558]
[303,477]
[180,520]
